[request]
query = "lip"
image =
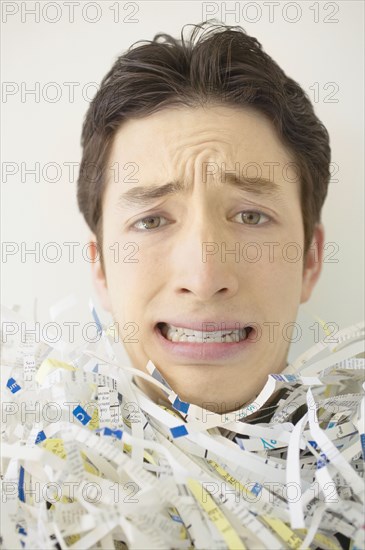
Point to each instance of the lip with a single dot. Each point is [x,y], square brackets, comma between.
[202,351]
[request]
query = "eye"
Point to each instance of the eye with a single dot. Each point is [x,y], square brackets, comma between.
[147,222]
[251,217]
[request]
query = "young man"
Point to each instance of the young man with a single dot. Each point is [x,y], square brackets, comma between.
[203,176]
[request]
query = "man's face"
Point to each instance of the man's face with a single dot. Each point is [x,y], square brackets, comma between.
[216,252]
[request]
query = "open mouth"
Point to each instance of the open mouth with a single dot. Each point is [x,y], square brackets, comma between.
[178,334]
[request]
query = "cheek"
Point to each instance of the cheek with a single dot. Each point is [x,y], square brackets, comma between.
[130,285]
[275,280]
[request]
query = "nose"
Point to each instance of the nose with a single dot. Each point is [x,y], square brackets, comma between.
[202,264]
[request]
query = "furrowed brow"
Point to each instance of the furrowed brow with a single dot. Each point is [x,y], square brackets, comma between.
[257,186]
[145,195]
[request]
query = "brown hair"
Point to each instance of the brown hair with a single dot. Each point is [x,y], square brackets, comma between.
[223,64]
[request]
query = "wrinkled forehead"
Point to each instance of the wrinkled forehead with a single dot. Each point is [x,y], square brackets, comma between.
[200,144]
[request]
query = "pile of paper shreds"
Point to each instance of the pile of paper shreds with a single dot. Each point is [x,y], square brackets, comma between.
[89,461]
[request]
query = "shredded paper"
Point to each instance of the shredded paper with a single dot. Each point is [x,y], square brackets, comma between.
[90,461]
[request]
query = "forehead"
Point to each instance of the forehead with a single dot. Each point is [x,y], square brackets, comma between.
[176,141]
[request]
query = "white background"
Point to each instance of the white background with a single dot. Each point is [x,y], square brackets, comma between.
[313,49]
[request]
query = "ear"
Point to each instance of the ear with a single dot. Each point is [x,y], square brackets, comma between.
[97,273]
[312,263]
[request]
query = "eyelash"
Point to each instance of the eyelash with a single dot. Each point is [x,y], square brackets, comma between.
[242,212]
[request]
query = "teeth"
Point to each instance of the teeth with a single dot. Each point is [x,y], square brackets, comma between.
[176,334]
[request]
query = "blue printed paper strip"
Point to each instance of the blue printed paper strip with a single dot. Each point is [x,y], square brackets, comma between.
[115,433]
[178,431]
[21,485]
[41,436]
[181,406]
[81,415]
[13,385]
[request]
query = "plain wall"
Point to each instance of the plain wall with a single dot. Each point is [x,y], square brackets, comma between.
[318,44]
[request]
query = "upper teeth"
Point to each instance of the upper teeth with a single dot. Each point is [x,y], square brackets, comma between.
[179,334]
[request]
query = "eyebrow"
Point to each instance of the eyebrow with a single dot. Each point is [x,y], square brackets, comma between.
[145,195]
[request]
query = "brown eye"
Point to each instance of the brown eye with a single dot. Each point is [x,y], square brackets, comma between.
[148,222]
[251,218]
